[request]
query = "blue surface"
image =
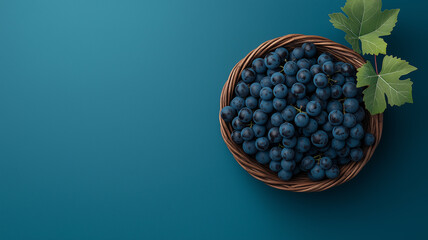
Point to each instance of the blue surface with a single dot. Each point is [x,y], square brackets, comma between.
[109,126]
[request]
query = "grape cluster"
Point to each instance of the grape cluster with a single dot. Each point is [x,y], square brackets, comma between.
[299,111]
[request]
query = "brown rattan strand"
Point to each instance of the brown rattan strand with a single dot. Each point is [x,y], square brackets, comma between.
[300,183]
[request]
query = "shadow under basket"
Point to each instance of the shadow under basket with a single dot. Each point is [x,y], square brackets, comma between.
[299,183]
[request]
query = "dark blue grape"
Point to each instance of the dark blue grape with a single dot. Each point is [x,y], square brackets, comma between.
[327,127]
[360,114]
[323,103]
[282,52]
[248,75]
[265,82]
[249,147]
[266,93]
[323,93]
[290,68]
[259,130]
[347,69]
[237,124]
[338,79]
[343,160]
[291,99]
[277,78]
[321,118]
[349,90]
[247,134]
[276,119]
[275,166]
[242,90]
[351,105]
[333,172]
[228,113]
[369,139]
[349,120]
[356,154]
[310,87]
[335,117]
[288,165]
[236,137]
[319,139]
[303,144]
[260,117]
[290,80]
[304,63]
[351,79]
[289,142]
[251,102]
[279,104]
[303,76]
[297,54]
[259,77]
[289,113]
[274,136]
[324,57]
[255,89]
[331,153]
[336,91]
[285,175]
[262,157]
[245,115]
[340,133]
[334,105]
[259,65]
[270,72]
[309,49]
[344,152]
[287,130]
[307,163]
[357,132]
[313,108]
[262,143]
[310,128]
[316,173]
[301,120]
[326,163]
[280,91]
[338,66]
[320,80]
[328,68]
[287,154]
[275,153]
[337,144]
[315,69]
[272,60]
[266,106]
[299,90]
[237,103]
[352,142]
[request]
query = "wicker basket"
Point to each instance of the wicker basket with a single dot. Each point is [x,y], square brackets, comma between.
[300,183]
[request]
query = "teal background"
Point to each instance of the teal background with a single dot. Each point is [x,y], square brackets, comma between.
[109,126]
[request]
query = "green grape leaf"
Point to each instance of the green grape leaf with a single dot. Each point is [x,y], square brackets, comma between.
[387,82]
[366,23]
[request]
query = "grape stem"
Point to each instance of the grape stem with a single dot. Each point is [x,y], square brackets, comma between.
[375,63]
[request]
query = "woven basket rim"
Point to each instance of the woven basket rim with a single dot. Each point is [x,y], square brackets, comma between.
[373,124]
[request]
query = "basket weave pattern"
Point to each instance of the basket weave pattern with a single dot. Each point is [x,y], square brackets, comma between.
[299,183]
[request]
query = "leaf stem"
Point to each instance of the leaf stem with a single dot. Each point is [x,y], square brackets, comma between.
[375,63]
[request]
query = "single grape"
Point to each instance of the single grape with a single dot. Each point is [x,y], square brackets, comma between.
[262,157]
[338,79]
[290,68]
[289,113]
[299,90]
[333,172]
[251,102]
[275,154]
[324,57]
[369,139]
[237,124]
[285,175]
[304,76]
[287,154]
[321,118]
[301,120]
[301,103]
[288,165]
[282,52]
[277,78]
[323,93]
[331,153]
[338,66]
[259,77]
[327,127]
[356,154]
[265,82]
[335,117]
[357,132]
[287,130]
[279,104]
[280,91]
[266,93]
[313,108]
[315,69]
[349,120]
[309,49]
[320,80]
[242,90]
[337,144]
[353,143]
[272,60]
[249,147]
[236,137]
[310,128]
[328,68]
[334,105]
[289,142]
[319,139]
[316,173]
[247,134]
[347,69]
[259,65]
[275,166]
[304,63]
[274,136]
[340,133]
[291,99]
[276,119]
[344,152]
[336,92]
[310,87]
[303,144]
[245,115]
[255,89]
[290,80]
[297,54]
[248,75]
[351,79]
[237,103]
[307,163]
[349,90]
[228,113]
[360,114]
[351,105]
[262,143]
[260,117]
[266,106]
[259,130]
